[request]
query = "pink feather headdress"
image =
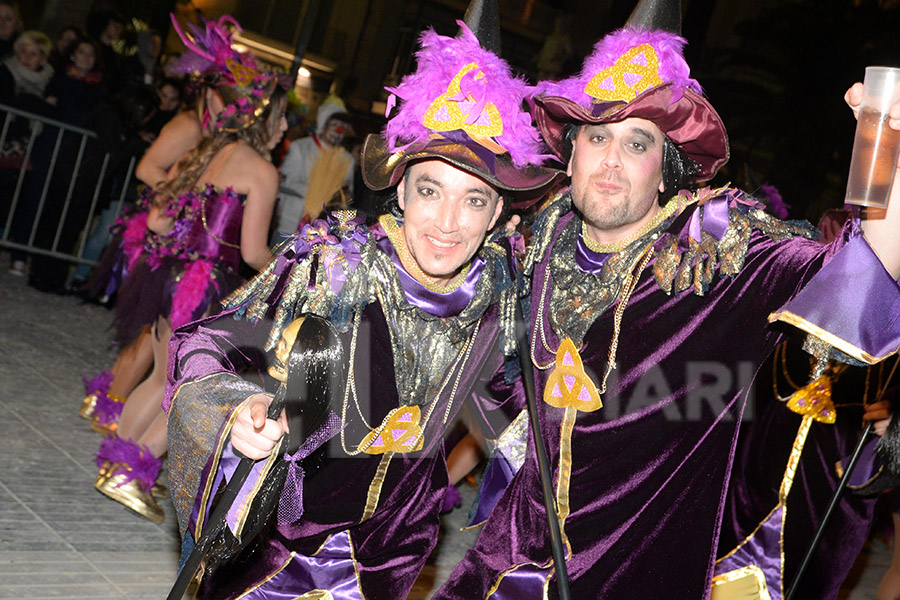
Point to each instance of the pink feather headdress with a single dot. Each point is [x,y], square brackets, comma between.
[619,75]
[462,92]
[245,88]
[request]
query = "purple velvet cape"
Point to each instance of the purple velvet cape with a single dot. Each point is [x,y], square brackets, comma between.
[650,468]
[767,436]
[212,234]
[390,548]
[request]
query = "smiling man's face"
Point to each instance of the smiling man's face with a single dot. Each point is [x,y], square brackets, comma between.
[446,214]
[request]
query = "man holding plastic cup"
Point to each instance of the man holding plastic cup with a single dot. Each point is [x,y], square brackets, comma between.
[650,305]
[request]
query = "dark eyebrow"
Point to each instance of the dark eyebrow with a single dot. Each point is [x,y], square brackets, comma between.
[645,133]
[425,178]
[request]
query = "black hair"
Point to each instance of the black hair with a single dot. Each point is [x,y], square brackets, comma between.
[315,376]
[678,169]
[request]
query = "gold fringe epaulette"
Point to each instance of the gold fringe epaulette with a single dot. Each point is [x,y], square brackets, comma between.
[544,228]
[676,269]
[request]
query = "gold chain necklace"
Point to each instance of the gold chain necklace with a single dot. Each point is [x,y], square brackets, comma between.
[389,224]
[350,389]
[628,287]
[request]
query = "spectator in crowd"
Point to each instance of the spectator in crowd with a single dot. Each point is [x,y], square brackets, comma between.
[143,68]
[10,26]
[25,75]
[316,163]
[62,47]
[169,91]
[106,28]
[77,89]
[116,123]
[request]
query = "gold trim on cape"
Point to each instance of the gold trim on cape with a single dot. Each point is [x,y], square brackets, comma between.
[844,346]
[374,493]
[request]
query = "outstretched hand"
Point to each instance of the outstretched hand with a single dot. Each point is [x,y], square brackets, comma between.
[254,434]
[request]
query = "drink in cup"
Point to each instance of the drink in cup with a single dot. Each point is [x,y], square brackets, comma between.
[876,146]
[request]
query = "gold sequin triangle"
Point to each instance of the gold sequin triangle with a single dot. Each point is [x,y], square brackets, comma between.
[814,400]
[640,61]
[568,384]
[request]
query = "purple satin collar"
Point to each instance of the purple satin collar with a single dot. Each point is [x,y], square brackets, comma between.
[586,259]
[434,303]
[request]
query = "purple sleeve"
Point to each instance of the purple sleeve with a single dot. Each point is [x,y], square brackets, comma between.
[852,304]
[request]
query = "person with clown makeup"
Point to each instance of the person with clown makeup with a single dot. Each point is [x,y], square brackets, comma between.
[422,301]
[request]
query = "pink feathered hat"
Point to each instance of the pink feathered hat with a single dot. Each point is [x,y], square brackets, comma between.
[463,106]
[638,71]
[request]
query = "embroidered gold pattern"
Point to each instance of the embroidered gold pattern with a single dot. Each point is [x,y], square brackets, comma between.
[401,432]
[638,61]
[568,384]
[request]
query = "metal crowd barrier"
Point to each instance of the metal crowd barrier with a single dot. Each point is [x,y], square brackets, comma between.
[38,173]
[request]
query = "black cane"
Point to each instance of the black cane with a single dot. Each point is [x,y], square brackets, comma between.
[835,500]
[556,543]
[836,497]
[226,499]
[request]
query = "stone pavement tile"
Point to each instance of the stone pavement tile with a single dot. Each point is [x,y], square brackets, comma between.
[147,592]
[53,591]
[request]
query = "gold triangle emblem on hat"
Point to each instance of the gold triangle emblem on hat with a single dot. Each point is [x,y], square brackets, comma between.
[612,83]
[454,110]
[243,75]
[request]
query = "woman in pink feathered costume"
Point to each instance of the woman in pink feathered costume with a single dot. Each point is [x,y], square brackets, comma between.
[212,212]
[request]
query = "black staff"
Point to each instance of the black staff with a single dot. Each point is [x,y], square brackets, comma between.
[556,544]
[836,497]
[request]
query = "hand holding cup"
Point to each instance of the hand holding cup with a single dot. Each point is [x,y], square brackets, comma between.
[876,147]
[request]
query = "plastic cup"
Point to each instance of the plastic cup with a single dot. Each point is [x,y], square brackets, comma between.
[876,146]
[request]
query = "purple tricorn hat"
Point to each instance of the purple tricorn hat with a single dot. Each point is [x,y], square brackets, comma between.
[638,71]
[463,106]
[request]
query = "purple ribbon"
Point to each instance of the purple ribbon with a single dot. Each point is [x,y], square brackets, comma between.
[586,259]
[434,303]
[714,220]
[290,506]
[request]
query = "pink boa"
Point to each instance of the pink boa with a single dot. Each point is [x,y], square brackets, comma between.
[133,238]
[190,291]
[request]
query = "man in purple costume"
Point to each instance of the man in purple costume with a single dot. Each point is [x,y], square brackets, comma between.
[423,306]
[650,309]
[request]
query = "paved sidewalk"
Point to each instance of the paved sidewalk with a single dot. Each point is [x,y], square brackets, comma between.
[59,538]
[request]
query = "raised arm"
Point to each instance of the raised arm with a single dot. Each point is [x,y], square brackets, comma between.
[178,137]
[882,228]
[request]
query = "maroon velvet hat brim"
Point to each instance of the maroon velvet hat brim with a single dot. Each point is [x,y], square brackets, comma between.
[691,122]
[382,169]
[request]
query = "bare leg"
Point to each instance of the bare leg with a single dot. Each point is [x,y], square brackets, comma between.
[132,364]
[155,437]
[889,588]
[143,406]
[464,457]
